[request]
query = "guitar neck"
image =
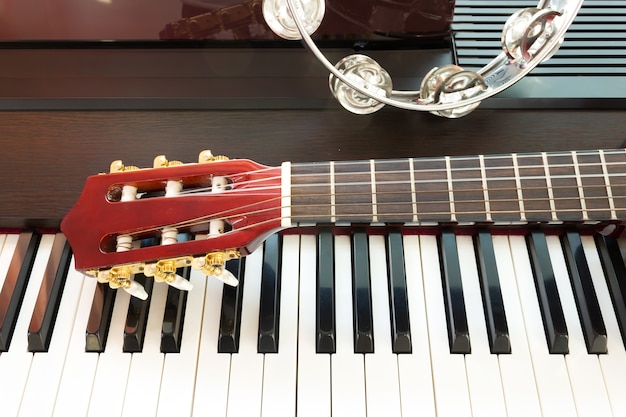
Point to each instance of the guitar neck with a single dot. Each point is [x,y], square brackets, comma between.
[577,186]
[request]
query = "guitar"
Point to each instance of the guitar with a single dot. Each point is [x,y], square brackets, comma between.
[130,220]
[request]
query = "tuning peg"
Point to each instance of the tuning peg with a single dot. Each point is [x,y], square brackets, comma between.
[136,290]
[162,162]
[207,156]
[213,265]
[118,166]
[119,277]
[226,277]
[179,282]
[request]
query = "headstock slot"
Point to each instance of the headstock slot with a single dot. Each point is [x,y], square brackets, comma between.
[154,188]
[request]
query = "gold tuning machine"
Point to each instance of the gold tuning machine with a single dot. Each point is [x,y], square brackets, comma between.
[207,156]
[165,270]
[162,162]
[118,166]
[121,277]
[213,264]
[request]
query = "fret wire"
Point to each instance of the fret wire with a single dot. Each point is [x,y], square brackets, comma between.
[413,193]
[485,188]
[607,183]
[518,186]
[579,183]
[373,181]
[450,190]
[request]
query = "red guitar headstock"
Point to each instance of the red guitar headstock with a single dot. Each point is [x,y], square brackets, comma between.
[130,220]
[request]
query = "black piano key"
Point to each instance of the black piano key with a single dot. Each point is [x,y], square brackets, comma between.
[230,318]
[362,294]
[137,317]
[549,300]
[584,294]
[99,318]
[615,274]
[49,297]
[325,305]
[14,286]
[398,298]
[497,327]
[458,332]
[269,306]
[174,316]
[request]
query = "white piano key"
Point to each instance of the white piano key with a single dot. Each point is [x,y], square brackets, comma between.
[47,367]
[279,375]
[416,383]
[381,367]
[348,372]
[110,382]
[613,364]
[314,391]
[483,370]
[80,367]
[448,370]
[246,367]
[179,369]
[17,361]
[518,379]
[213,373]
[144,375]
[551,377]
[584,370]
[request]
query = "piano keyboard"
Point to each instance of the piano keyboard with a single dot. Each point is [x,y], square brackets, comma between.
[337,322]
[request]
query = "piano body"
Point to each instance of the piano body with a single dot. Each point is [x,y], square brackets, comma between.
[327,320]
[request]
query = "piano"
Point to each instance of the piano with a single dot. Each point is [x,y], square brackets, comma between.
[327,320]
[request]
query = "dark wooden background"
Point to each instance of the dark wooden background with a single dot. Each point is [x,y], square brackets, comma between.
[66,113]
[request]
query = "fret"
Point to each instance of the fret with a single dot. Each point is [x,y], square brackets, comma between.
[310,192]
[432,193]
[579,184]
[467,185]
[503,183]
[596,189]
[564,195]
[395,191]
[450,191]
[607,183]
[518,186]
[533,183]
[353,192]
[373,182]
[546,168]
[483,176]
[615,161]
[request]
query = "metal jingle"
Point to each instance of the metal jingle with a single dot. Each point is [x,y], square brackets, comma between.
[452,84]
[527,31]
[434,79]
[366,73]
[279,18]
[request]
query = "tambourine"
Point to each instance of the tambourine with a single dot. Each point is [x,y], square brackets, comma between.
[529,37]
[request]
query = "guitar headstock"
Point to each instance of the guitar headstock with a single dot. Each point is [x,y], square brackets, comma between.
[157,219]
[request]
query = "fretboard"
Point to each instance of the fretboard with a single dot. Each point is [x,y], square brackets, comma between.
[575,186]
